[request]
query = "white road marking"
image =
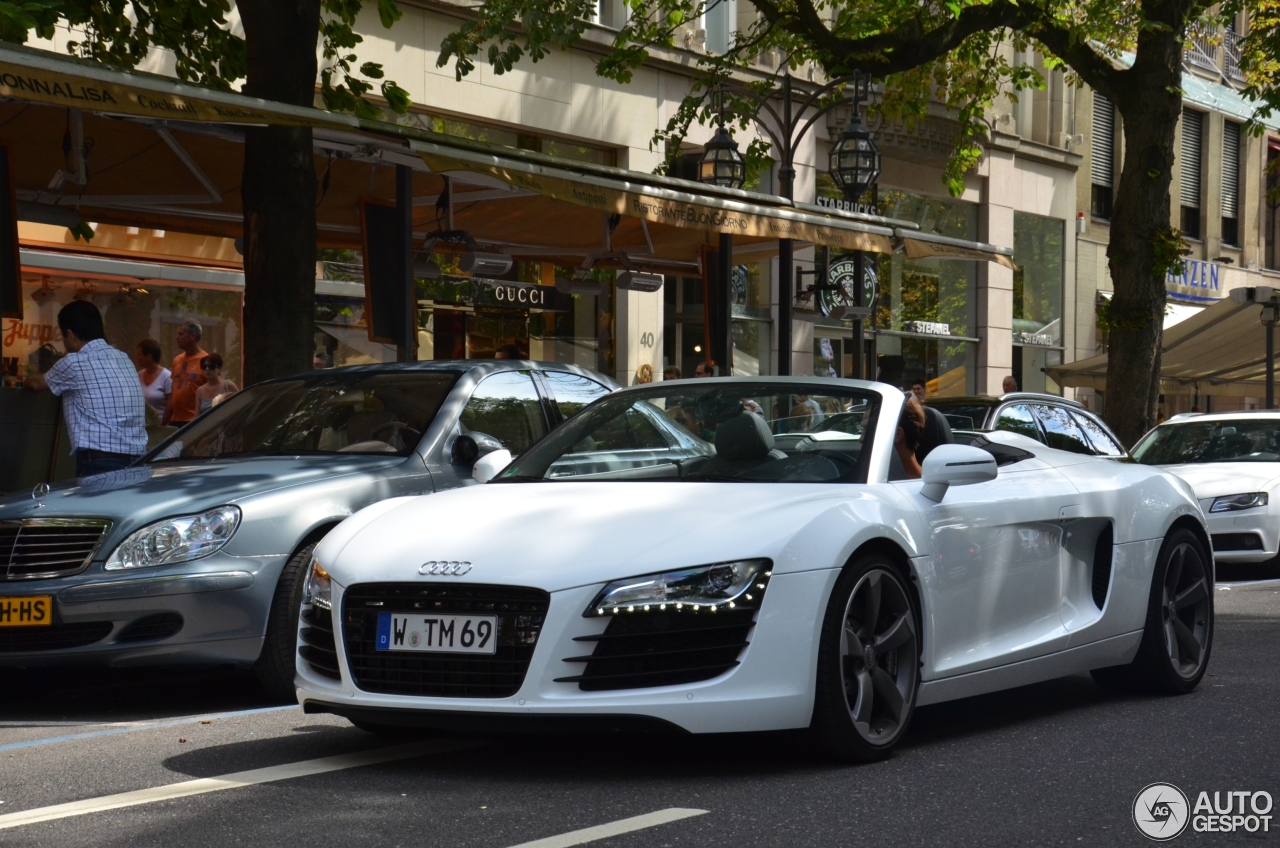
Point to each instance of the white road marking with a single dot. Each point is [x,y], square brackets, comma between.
[288,771]
[617,828]
[114,728]
[1267,583]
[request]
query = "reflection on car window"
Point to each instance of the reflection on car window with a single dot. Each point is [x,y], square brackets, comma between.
[1241,440]
[572,391]
[694,431]
[1060,429]
[506,406]
[1017,419]
[963,416]
[1098,436]
[330,412]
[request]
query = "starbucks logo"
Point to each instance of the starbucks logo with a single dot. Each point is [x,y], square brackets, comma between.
[842,286]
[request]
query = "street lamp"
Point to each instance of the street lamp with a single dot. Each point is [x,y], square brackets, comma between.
[721,163]
[855,160]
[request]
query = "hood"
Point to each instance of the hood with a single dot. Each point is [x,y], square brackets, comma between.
[1214,479]
[145,493]
[557,536]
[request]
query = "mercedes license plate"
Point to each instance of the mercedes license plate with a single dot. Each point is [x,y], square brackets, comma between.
[449,634]
[31,611]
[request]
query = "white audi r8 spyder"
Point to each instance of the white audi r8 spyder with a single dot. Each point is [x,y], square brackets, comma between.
[710,555]
[1232,461]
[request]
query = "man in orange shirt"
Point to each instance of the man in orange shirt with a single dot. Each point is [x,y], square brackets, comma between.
[187,375]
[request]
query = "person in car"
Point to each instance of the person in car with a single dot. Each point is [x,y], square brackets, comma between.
[907,437]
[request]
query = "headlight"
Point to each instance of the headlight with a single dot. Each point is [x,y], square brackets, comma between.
[318,590]
[1231,503]
[174,540]
[705,588]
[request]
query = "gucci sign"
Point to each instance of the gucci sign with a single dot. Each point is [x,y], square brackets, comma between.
[444,569]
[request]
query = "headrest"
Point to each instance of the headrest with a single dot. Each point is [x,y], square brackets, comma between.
[744,436]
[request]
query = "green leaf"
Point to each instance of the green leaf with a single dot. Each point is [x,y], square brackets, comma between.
[389,12]
[373,70]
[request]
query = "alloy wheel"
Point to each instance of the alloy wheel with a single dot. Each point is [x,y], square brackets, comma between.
[1185,610]
[879,656]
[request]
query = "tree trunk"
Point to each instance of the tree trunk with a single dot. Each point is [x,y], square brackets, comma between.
[278,192]
[1150,107]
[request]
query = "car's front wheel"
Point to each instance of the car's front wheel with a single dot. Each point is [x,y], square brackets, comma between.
[276,664]
[868,663]
[1178,633]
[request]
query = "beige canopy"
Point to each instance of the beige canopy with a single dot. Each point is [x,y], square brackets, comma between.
[1220,351]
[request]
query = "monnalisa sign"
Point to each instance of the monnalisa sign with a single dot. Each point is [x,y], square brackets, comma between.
[1198,281]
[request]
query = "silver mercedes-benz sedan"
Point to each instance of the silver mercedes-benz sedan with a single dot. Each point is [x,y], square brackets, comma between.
[197,553]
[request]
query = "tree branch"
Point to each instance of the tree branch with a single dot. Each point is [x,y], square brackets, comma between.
[1096,70]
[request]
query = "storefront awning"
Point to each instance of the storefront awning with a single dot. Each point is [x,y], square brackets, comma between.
[168,154]
[1219,351]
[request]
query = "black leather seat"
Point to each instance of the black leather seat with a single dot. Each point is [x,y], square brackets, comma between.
[742,443]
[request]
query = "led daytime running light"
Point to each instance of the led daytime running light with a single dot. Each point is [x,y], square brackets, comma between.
[702,589]
[1232,503]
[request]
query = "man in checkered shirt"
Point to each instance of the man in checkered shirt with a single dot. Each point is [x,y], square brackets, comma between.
[101,394]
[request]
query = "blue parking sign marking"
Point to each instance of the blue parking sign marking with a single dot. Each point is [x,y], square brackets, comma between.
[384,631]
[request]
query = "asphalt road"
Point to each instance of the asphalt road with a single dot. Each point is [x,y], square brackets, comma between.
[1053,764]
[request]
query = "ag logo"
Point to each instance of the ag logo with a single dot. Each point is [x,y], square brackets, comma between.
[1161,811]
[441,568]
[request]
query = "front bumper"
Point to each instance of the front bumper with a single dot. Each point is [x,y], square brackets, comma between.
[1250,535]
[771,688]
[213,610]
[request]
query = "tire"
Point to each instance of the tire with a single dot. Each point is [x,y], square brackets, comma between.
[276,665]
[1177,636]
[868,663]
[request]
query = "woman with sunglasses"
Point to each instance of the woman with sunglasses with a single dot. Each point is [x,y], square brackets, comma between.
[216,387]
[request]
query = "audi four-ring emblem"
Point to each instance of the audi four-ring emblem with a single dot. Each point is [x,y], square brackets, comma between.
[444,569]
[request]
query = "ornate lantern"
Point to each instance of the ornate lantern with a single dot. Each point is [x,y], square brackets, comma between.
[721,163]
[855,160]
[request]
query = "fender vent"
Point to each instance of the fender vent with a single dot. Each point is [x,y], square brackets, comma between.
[1103,553]
[159,626]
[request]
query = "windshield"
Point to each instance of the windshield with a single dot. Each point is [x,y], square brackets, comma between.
[331,412]
[962,416]
[1242,440]
[707,430]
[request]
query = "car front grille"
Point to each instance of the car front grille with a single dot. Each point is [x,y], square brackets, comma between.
[14,640]
[520,612]
[318,649]
[639,650]
[35,548]
[1237,542]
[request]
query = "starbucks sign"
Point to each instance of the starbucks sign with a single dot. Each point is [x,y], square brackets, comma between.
[842,286]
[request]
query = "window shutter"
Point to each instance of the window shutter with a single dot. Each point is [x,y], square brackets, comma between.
[1103,144]
[1230,169]
[1192,126]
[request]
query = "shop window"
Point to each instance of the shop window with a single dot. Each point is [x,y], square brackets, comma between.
[683,331]
[1271,193]
[506,406]
[1038,251]
[1190,184]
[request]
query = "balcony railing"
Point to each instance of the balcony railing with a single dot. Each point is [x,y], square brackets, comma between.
[1202,46]
[1231,56]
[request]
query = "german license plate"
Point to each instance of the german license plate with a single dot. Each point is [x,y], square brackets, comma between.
[31,611]
[448,634]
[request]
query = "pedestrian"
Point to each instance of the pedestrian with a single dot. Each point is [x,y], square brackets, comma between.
[101,394]
[321,360]
[920,390]
[187,375]
[1010,385]
[157,381]
[215,388]
[671,372]
[704,369]
[906,438]
[644,374]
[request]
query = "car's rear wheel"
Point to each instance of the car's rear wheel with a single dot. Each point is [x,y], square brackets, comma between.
[276,665]
[868,663]
[1178,634]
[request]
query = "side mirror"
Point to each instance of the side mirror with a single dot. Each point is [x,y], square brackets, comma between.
[488,466]
[955,465]
[470,447]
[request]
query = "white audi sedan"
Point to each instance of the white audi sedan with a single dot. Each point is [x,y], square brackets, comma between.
[1232,461]
[703,556]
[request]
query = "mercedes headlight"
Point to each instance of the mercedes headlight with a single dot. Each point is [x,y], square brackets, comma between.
[704,588]
[1231,503]
[317,591]
[175,540]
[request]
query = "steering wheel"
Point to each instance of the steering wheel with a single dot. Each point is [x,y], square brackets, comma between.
[392,429]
